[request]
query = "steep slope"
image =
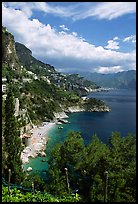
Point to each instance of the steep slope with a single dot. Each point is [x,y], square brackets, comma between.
[69,82]
[9,57]
[40,89]
[30,63]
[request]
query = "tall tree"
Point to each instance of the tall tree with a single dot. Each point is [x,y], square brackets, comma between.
[12,140]
[65,156]
[3,142]
[122,168]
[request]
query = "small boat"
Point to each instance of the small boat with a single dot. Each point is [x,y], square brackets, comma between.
[29,169]
[60,127]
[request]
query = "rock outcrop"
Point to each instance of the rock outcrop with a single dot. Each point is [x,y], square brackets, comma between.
[9,56]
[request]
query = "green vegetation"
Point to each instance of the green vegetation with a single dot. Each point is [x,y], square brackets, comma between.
[87,166]
[3,141]
[42,100]
[41,90]
[30,63]
[40,184]
[18,196]
[72,165]
[93,102]
[12,141]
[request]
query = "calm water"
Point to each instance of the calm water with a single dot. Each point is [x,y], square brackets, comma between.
[122,118]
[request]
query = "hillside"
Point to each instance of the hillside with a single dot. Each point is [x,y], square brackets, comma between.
[40,89]
[121,80]
[34,96]
[30,63]
[31,97]
[69,82]
[10,60]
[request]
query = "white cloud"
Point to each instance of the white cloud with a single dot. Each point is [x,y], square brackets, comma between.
[106,10]
[74,33]
[107,70]
[64,27]
[131,38]
[78,10]
[28,7]
[116,38]
[111,10]
[65,50]
[113,45]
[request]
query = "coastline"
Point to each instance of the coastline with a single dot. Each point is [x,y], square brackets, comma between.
[37,142]
[39,138]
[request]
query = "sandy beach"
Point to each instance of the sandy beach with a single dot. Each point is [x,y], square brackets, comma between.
[37,142]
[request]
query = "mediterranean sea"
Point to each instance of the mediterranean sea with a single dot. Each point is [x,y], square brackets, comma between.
[122,118]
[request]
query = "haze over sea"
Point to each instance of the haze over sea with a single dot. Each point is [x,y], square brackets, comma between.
[122,118]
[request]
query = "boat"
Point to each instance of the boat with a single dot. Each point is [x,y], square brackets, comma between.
[60,127]
[29,169]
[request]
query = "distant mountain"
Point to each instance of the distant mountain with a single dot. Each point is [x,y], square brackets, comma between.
[121,80]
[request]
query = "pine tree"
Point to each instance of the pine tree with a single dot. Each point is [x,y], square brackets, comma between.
[12,140]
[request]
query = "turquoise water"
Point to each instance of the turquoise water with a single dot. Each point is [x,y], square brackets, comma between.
[122,118]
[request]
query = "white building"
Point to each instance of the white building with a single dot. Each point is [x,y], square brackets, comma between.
[3,88]
[4,79]
[16,106]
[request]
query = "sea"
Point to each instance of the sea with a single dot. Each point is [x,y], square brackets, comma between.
[121,118]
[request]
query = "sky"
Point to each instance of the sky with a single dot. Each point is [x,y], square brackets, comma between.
[76,36]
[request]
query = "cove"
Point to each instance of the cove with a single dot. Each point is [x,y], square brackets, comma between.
[122,118]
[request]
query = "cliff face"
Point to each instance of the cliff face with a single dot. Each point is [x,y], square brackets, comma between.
[9,56]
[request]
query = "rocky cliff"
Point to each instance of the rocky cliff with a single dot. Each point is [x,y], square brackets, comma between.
[9,56]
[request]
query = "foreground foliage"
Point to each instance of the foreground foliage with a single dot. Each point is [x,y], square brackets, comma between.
[12,145]
[76,167]
[87,166]
[18,196]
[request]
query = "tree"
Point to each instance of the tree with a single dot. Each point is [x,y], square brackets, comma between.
[87,166]
[12,140]
[3,142]
[122,168]
[39,183]
[65,155]
[91,169]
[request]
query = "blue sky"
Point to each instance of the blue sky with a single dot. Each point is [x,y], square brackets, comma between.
[76,36]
